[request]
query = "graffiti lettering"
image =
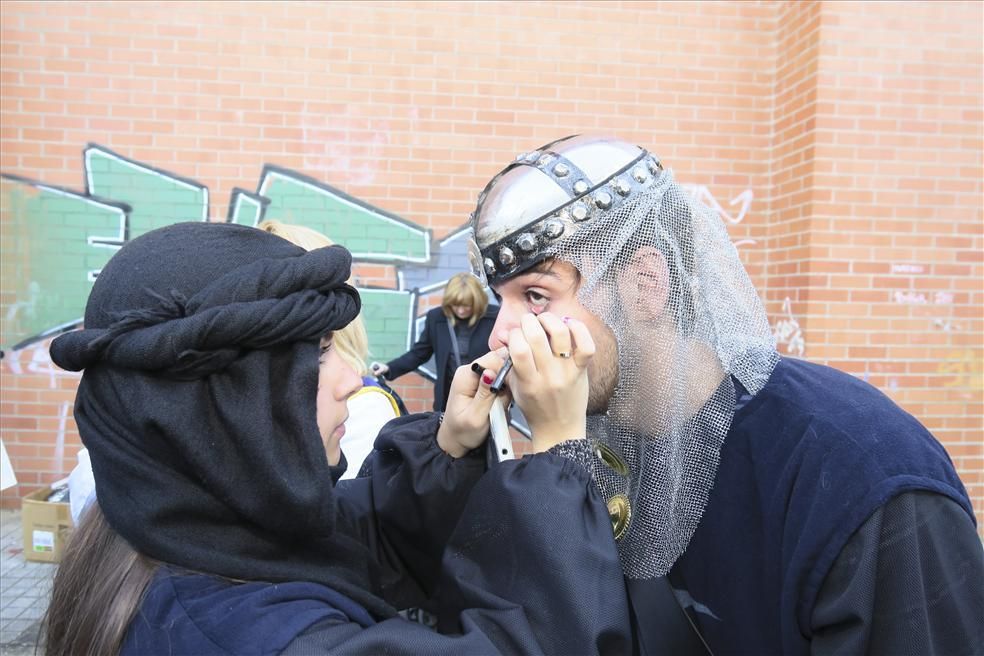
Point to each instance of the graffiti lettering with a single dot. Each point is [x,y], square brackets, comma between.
[787,331]
[34,359]
[910,298]
[702,194]
[966,367]
[907,268]
[918,298]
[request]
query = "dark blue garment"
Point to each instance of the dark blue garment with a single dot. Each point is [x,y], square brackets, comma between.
[805,463]
[199,614]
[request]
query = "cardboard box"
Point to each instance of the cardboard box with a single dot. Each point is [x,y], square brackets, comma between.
[46,527]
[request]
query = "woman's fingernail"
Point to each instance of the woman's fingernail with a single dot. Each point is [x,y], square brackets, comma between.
[566,319]
[487,378]
[477,368]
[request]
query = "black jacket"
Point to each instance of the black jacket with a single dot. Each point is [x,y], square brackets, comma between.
[435,339]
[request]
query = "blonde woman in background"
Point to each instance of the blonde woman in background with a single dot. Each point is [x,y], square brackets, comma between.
[455,334]
[372,406]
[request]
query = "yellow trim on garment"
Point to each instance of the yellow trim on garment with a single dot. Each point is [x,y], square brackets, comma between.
[368,389]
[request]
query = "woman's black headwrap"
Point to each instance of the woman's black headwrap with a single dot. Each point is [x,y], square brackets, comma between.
[198,403]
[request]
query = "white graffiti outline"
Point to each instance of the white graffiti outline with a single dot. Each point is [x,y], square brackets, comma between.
[39,363]
[702,194]
[90,181]
[787,331]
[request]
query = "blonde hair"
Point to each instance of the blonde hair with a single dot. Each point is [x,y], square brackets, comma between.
[351,342]
[464,289]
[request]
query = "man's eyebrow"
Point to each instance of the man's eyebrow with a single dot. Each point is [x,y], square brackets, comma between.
[544,269]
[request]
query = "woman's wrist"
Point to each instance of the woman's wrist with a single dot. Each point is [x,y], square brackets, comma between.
[545,439]
[447,442]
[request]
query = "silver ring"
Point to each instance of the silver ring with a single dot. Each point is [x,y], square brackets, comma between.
[563,354]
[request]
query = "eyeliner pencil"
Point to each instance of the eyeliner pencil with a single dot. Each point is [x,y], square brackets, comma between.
[500,379]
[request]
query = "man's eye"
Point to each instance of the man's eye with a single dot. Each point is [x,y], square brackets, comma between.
[536,299]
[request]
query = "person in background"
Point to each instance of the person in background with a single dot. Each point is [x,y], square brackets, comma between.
[455,333]
[212,404]
[373,406]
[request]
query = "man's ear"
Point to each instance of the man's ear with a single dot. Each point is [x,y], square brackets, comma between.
[646,286]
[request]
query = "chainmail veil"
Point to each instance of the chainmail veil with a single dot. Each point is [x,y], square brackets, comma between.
[656,448]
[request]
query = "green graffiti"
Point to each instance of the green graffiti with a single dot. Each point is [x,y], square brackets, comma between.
[387,315]
[368,232]
[158,199]
[52,244]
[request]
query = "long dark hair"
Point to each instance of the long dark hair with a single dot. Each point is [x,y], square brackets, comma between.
[98,588]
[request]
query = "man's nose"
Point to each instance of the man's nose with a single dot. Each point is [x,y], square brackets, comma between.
[509,318]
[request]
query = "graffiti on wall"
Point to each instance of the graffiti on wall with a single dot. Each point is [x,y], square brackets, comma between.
[54,241]
[963,369]
[787,331]
[743,200]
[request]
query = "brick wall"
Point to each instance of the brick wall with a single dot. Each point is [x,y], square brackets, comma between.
[848,135]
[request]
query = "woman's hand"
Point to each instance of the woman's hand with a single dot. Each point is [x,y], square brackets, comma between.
[466,418]
[549,378]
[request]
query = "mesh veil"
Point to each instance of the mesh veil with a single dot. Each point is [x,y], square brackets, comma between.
[668,423]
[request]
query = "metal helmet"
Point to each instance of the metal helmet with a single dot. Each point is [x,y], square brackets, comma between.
[550,193]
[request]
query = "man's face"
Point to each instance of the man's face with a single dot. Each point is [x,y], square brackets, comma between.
[552,286]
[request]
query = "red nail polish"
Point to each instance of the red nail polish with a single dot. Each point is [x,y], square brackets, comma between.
[487,378]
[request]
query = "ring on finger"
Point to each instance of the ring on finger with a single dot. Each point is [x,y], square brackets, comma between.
[563,354]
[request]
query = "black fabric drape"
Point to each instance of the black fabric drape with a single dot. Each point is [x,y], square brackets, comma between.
[198,404]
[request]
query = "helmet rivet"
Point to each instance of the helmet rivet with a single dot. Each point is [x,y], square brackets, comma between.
[579,211]
[580,187]
[531,157]
[526,242]
[603,200]
[561,170]
[506,256]
[489,266]
[545,159]
[654,166]
[553,229]
[640,174]
[622,186]
[521,157]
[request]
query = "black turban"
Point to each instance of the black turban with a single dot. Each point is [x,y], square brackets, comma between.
[198,403]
